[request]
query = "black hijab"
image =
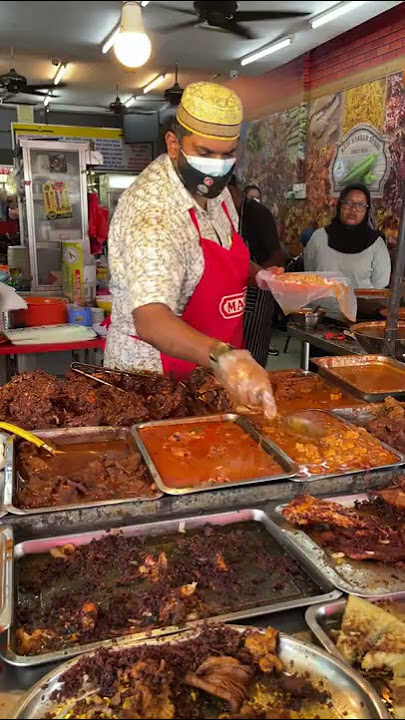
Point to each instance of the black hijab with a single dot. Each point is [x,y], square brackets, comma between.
[351,239]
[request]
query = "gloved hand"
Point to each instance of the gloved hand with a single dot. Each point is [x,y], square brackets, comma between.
[264,276]
[246,381]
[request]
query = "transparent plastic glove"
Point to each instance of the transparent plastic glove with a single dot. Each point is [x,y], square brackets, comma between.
[264,277]
[246,381]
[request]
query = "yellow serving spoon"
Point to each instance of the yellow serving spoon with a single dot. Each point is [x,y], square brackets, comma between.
[26,435]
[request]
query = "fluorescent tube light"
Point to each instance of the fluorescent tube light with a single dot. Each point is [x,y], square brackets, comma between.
[335,12]
[285,42]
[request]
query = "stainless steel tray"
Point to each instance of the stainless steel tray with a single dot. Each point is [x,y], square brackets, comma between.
[290,468]
[327,366]
[72,435]
[30,547]
[323,619]
[6,577]
[364,578]
[301,478]
[351,695]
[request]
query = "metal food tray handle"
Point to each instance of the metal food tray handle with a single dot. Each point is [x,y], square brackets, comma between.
[7,599]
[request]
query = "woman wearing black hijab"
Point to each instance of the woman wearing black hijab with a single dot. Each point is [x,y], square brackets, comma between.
[349,245]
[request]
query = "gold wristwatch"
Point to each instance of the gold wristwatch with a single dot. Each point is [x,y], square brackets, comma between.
[218,349]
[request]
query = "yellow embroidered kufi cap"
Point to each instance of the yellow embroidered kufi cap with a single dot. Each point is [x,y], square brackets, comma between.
[211,110]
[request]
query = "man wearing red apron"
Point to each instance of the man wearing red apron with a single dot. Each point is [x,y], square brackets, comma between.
[179,268]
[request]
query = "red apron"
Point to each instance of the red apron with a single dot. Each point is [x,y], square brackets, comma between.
[217,305]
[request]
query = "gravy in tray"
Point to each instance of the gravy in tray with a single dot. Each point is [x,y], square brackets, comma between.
[187,455]
[375,377]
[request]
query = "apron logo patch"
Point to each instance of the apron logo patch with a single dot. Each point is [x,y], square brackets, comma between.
[208,181]
[233,306]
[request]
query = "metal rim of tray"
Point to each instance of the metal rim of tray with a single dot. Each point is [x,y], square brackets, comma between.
[353,471]
[326,370]
[325,585]
[318,555]
[10,472]
[290,646]
[291,468]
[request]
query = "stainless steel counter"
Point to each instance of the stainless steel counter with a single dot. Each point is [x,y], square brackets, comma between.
[15,681]
[316,338]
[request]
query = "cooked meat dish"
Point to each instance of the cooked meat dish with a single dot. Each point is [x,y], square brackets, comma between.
[294,391]
[389,424]
[372,530]
[121,585]
[116,471]
[340,449]
[35,400]
[220,673]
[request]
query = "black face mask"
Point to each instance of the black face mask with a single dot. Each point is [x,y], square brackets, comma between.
[199,183]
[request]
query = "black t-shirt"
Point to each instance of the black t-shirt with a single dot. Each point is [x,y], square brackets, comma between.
[259,231]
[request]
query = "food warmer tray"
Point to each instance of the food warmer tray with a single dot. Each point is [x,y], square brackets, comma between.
[323,619]
[351,694]
[328,365]
[281,541]
[289,466]
[367,579]
[301,478]
[84,434]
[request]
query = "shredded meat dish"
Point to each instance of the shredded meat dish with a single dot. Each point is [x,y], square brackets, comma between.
[215,674]
[35,400]
[294,391]
[121,585]
[372,530]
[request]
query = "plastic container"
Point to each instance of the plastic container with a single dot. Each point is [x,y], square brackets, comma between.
[97,315]
[79,315]
[104,302]
[44,311]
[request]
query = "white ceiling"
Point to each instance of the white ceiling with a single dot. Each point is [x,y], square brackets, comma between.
[73,32]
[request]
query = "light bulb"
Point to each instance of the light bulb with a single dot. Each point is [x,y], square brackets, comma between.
[132,45]
[132,49]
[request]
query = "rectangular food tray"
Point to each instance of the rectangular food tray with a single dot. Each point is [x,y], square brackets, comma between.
[367,579]
[277,604]
[72,435]
[353,471]
[328,365]
[289,466]
[323,619]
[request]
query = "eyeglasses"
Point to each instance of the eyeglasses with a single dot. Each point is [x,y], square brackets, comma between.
[360,207]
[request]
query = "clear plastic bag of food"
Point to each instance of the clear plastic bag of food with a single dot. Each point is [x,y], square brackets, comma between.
[294,291]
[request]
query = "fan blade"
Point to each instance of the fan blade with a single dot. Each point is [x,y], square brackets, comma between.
[165,6]
[165,29]
[26,91]
[252,16]
[232,27]
[44,86]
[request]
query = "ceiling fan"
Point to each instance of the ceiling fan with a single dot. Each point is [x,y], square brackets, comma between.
[117,106]
[224,16]
[12,84]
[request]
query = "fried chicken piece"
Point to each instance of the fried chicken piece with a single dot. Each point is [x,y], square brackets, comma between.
[34,643]
[307,510]
[225,677]
[180,605]
[394,495]
[263,648]
[88,616]
[143,700]
[154,569]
